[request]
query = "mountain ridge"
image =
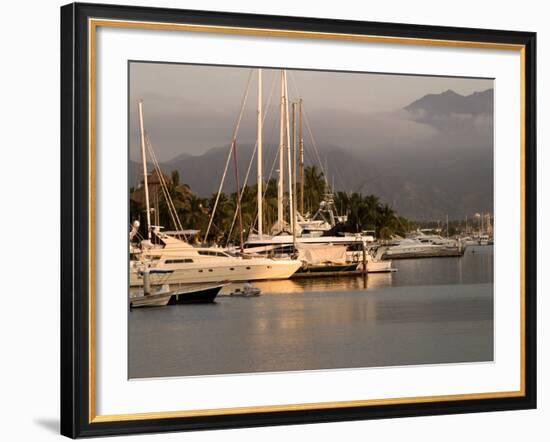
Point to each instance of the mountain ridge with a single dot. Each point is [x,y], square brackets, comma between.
[448,173]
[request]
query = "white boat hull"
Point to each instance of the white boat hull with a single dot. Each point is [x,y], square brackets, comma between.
[150,300]
[428,251]
[377,266]
[247,270]
[373,265]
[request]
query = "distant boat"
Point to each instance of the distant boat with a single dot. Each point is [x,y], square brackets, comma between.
[484,240]
[424,246]
[246,292]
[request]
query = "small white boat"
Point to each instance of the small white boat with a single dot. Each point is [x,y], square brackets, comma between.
[246,292]
[484,240]
[156,299]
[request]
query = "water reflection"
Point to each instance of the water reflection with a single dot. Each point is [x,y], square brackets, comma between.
[347,283]
[429,311]
[475,267]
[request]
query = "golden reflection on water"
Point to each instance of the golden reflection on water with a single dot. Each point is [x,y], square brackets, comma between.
[429,311]
[336,284]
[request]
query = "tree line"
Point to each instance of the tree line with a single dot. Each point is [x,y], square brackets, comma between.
[364,212]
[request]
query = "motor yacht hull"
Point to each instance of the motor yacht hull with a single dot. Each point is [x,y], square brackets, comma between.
[253,269]
[196,295]
[423,252]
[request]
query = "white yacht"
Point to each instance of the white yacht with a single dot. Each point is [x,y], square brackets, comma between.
[183,262]
[424,246]
[189,264]
[284,244]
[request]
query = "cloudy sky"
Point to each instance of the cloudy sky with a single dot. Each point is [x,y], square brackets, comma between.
[191,109]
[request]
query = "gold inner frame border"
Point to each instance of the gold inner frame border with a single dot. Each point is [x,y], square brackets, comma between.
[93,24]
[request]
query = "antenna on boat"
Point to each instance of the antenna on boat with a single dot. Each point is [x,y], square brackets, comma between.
[260,164]
[144,160]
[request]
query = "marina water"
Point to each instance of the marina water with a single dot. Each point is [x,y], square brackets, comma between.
[430,311]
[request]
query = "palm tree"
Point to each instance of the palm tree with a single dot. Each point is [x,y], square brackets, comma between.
[314,187]
[386,222]
[372,211]
[194,215]
[363,212]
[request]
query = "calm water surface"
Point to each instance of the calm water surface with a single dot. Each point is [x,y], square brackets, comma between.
[430,311]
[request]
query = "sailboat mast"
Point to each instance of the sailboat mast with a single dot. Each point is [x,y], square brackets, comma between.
[294,217]
[289,159]
[260,161]
[238,193]
[301,157]
[280,189]
[294,152]
[144,161]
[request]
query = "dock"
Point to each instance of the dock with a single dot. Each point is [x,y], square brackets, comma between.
[443,253]
[305,275]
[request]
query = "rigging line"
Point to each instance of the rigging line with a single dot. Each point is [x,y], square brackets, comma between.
[160,175]
[156,168]
[164,187]
[137,235]
[314,144]
[251,160]
[233,139]
[306,119]
[338,175]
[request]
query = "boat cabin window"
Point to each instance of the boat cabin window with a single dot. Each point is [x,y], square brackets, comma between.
[212,253]
[178,261]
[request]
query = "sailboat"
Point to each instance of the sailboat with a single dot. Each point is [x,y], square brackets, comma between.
[286,236]
[189,264]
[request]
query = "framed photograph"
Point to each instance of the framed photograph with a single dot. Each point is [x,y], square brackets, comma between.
[280,220]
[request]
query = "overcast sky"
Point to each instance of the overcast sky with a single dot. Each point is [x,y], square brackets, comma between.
[190,109]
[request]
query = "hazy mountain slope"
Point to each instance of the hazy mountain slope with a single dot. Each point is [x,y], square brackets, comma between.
[431,159]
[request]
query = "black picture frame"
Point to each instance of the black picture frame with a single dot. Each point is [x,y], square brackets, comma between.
[75,221]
